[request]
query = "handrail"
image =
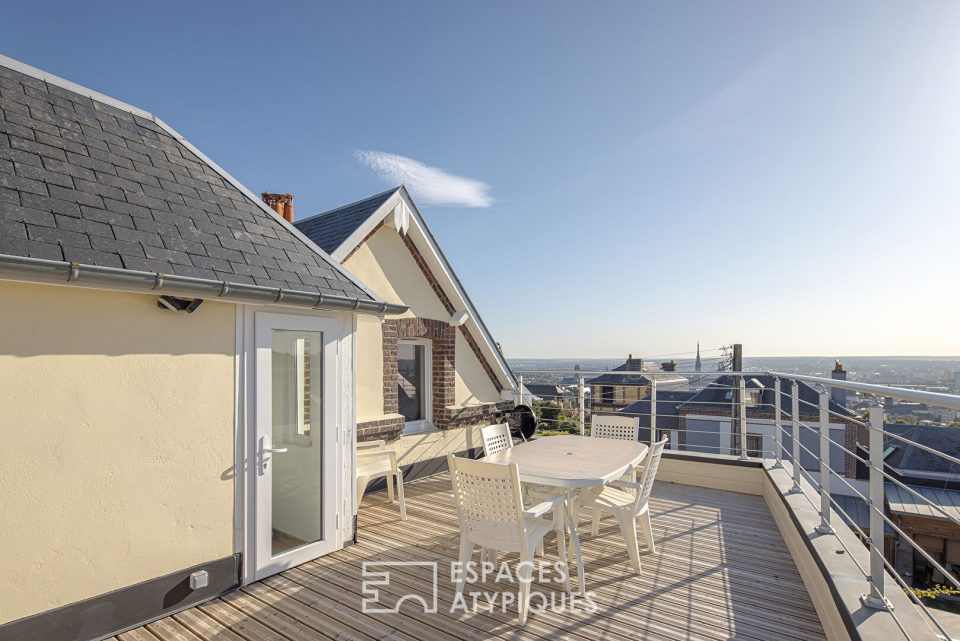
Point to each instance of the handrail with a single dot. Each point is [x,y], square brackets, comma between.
[803,415]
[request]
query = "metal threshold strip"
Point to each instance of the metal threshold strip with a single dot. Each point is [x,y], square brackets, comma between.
[39,270]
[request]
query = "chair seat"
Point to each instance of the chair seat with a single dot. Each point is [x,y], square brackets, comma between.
[615,497]
[376,467]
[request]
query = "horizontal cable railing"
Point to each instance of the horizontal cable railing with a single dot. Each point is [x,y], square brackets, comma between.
[752,414]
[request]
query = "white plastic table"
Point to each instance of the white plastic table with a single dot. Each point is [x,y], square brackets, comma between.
[573,463]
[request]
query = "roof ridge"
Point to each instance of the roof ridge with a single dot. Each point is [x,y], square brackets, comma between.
[356,202]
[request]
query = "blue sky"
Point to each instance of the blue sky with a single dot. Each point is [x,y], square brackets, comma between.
[639,176]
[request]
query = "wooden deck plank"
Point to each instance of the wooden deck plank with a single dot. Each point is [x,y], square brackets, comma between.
[721,571]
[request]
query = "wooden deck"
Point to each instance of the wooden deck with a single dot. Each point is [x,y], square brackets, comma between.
[721,572]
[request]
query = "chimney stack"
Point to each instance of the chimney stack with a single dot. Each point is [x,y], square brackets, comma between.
[634,364]
[837,394]
[280,203]
[670,366]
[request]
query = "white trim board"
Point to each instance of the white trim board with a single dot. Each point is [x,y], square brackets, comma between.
[427,243]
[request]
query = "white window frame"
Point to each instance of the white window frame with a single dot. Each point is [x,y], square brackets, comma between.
[426,423]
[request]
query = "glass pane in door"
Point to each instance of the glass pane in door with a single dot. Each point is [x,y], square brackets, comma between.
[297,416]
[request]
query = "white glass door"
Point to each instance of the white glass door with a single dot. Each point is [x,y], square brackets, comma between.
[295,449]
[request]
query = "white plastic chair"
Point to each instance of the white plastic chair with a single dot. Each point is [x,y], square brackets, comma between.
[627,501]
[620,428]
[373,461]
[492,516]
[495,438]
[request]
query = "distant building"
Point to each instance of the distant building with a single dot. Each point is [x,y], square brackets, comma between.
[551,392]
[707,422]
[668,420]
[934,478]
[838,394]
[614,391]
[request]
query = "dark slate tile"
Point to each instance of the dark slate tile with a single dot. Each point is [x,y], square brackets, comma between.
[92,163]
[223,253]
[138,177]
[248,270]
[75,196]
[12,229]
[84,226]
[91,257]
[123,207]
[144,237]
[17,155]
[231,277]
[37,148]
[14,129]
[23,185]
[54,235]
[152,226]
[26,215]
[46,203]
[239,245]
[30,249]
[96,188]
[9,195]
[194,272]
[61,141]
[147,201]
[211,263]
[104,216]
[181,245]
[64,167]
[146,265]
[168,255]
[122,247]
[52,178]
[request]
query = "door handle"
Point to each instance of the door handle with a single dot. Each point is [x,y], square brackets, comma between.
[266,448]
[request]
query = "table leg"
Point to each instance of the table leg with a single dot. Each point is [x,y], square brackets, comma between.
[575,553]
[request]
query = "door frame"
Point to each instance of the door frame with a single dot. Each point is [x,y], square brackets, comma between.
[344,371]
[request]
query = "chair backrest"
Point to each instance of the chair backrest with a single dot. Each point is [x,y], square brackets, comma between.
[621,428]
[496,438]
[489,502]
[650,465]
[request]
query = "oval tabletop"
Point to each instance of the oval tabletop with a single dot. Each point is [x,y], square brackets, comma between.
[572,461]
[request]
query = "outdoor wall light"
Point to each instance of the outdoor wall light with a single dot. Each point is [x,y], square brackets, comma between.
[175,304]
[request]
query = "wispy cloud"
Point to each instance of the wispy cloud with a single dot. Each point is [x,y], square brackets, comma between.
[428,184]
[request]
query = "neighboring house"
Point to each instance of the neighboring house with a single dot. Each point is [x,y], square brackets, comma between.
[429,377]
[143,444]
[934,478]
[668,418]
[707,424]
[614,391]
[551,392]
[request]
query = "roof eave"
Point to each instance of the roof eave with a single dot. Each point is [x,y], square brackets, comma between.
[43,271]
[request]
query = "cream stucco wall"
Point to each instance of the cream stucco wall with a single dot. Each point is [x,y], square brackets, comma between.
[117,425]
[369,368]
[385,265]
[472,385]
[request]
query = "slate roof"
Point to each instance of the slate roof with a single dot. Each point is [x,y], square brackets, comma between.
[906,457]
[330,229]
[667,417]
[84,181]
[717,395]
[625,379]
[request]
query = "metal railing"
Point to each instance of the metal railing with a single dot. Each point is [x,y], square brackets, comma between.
[743,400]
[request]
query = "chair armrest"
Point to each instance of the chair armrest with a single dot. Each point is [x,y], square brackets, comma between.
[379,455]
[542,508]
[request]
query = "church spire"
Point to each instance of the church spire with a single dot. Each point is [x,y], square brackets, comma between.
[697,367]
